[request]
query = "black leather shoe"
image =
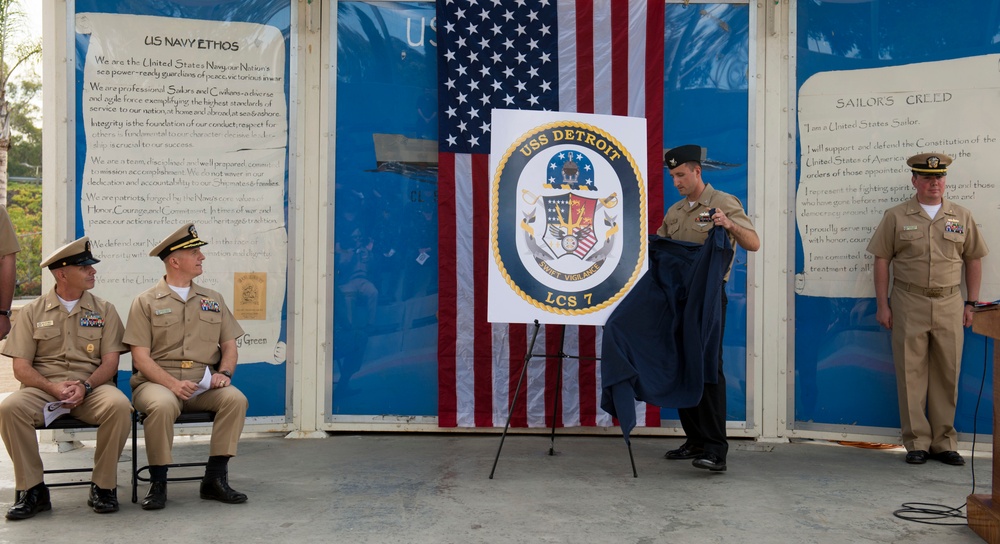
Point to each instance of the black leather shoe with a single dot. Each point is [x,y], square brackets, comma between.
[30,502]
[949,458]
[683,452]
[917,457]
[103,501]
[156,497]
[217,489]
[710,461]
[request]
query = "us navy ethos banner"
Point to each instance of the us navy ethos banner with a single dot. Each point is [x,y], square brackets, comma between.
[567,215]
[182,115]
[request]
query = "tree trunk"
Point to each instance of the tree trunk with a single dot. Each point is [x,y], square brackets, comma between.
[4,145]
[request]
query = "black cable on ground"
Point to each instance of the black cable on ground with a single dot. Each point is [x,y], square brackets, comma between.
[929,513]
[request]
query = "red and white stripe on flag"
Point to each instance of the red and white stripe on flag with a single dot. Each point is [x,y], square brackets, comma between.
[610,61]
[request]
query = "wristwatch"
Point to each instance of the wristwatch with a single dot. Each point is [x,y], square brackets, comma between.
[970,303]
[7,313]
[87,389]
[226,373]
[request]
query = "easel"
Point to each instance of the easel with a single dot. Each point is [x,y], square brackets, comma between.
[555,402]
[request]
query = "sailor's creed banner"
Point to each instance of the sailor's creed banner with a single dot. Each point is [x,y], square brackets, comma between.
[567,215]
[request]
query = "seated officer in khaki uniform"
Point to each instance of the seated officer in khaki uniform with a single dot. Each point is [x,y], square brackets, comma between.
[175,330]
[65,347]
[928,240]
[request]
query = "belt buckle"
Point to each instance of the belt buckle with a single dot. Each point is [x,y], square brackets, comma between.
[187,364]
[934,292]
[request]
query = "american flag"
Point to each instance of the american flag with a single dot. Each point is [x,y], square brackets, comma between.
[587,56]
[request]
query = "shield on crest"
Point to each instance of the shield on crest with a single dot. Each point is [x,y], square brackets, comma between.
[569,228]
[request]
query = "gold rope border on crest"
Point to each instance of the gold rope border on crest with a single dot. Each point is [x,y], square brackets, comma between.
[495,218]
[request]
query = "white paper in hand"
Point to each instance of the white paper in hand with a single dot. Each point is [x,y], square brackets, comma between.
[204,385]
[53,410]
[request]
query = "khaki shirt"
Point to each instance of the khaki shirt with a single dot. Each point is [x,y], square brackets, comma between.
[692,223]
[176,330]
[8,238]
[61,345]
[928,252]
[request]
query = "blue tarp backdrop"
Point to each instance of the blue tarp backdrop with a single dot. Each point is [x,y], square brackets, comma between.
[384,285]
[385,289]
[843,364]
[385,300]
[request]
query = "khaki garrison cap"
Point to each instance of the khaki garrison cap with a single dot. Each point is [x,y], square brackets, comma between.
[185,237]
[929,163]
[75,253]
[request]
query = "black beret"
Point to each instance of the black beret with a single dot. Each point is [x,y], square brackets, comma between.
[682,154]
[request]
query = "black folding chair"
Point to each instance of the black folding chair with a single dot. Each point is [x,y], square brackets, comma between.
[64,423]
[185,417]
[69,423]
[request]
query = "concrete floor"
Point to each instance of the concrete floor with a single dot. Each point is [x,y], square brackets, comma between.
[430,488]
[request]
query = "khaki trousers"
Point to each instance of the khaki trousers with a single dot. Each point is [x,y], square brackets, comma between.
[106,406]
[162,407]
[927,340]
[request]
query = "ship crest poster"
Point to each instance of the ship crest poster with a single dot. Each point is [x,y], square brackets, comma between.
[567,215]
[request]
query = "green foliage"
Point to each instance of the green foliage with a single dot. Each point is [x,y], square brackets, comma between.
[17,46]
[25,209]
[25,155]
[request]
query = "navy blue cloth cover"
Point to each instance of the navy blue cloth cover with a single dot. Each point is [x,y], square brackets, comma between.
[663,342]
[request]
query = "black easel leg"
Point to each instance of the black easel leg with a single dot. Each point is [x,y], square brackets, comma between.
[555,401]
[513,402]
